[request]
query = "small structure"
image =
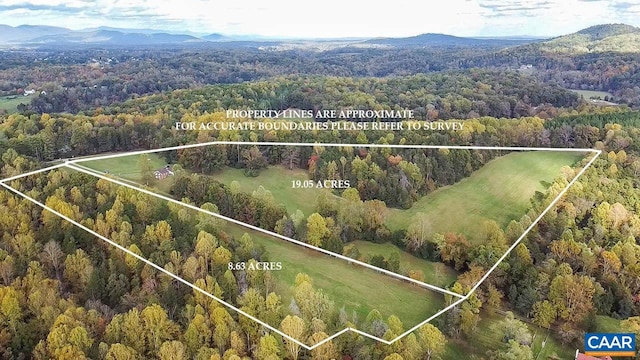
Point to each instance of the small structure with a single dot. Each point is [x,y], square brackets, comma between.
[163,173]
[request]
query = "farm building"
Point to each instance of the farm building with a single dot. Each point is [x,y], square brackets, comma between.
[163,173]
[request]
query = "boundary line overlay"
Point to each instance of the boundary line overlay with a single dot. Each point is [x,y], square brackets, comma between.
[259,229]
[73,164]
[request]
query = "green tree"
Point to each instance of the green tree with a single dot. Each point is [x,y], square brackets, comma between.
[157,327]
[544,314]
[268,348]
[572,296]
[432,340]
[326,351]
[631,324]
[205,247]
[198,333]
[312,303]
[222,323]
[514,329]
[127,329]
[316,229]
[121,352]
[145,169]
[515,351]
[254,160]
[418,232]
[393,262]
[294,327]
[172,350]
[78,270]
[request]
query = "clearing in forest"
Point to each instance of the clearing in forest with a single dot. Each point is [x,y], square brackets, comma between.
[349,283]
[501,191]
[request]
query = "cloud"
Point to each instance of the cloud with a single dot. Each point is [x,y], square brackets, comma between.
[330,18]
[41,7]
[624,5]
[515,6]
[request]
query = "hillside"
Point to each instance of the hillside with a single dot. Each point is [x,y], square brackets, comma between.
[27,32]
[443,40]
[596,39]
[108,37]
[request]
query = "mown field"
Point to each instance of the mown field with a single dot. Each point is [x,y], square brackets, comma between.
[435,273]
[10,103]
[489,337]
[352,286]
[588,94]
[127,167]
[607,324]
[278,180]
[501,191]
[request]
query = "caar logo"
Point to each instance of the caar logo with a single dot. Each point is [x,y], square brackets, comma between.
[608,344]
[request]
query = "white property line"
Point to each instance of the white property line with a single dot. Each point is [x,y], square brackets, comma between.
[206,293]
[259,143]
[159,268]
[535,222]
[259,229]
[388,342]
[31,173]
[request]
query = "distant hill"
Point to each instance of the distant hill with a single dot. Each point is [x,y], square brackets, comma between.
[9,34]
[49,36]
[599,38]
[214,37]
[145,31]
[443,40]
[110,37]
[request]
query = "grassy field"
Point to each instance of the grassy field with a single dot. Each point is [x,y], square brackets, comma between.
[126,167]
[10,104]
[499,191]
[488,336]
[607,324]
[588,94]
[276,179]
[357,288]
[435,273]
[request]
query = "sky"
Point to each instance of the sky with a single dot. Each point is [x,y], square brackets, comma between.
[328,18]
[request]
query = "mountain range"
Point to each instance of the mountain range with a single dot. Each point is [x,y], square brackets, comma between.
[448,40]
[599,38]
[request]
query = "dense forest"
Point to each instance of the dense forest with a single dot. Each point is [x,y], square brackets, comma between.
[93,301]
[98,78]
[66,293]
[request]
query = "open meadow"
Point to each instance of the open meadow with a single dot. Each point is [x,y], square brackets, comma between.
[435,273]
[588,94]
[501,191]
[276,179]
[10,103]
[128,168]
[358,289]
